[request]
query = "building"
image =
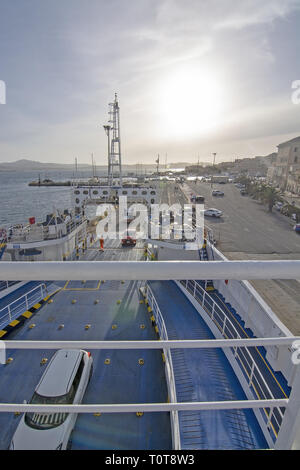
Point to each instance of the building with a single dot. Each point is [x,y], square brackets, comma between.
[256,166]
[285,172]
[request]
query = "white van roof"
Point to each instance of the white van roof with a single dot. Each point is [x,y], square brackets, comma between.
[58,377]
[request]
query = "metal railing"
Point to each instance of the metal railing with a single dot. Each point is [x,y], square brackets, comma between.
[38,232]
[248,365]
[152,407]
[137,270]
[172,271]
[146,407]
[5,284]
[11,311]
[168,364]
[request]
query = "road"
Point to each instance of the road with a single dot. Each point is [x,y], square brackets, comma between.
[248,231]
[246,226]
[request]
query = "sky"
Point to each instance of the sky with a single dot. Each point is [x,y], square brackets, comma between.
[193,78]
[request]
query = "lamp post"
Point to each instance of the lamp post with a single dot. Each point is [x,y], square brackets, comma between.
[214,160]
[107,129]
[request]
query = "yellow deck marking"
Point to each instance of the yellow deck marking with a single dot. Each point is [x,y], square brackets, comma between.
[82,288]
[2,333]
[27,314]
[14,323]
[36,306]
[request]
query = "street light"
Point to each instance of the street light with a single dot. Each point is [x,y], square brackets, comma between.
[107,129]
[214,154]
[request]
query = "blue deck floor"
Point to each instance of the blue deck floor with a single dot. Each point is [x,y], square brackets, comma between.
[124,380]
[204,375]
[201,375]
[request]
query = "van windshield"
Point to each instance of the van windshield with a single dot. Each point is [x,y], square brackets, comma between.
[48,420]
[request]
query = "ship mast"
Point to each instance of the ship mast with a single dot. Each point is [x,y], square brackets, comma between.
[114,143]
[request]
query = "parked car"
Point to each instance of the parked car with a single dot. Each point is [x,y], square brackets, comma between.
[216,192]
[198,199]
[213,213]
[297,228]
[63,382]
[129,240]
[278,205]
[243,192]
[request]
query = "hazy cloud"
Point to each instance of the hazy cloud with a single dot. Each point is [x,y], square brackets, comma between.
[63,61]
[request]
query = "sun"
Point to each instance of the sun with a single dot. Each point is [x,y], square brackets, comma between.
[190,102]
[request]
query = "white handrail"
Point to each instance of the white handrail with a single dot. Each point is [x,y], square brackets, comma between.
[150,344]
[169,365]
[158,270]
[11,312]
[144,407]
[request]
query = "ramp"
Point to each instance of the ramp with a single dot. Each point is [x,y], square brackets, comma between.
[204,375]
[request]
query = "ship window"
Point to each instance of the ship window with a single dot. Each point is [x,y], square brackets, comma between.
[144,192]
[77,201]
[124,192]
[95,192]
[152,192]
[77,192]
[105,192]
[134,192]
[152,201]
[85,192]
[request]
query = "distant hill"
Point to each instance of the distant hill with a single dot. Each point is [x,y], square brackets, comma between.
[31,165]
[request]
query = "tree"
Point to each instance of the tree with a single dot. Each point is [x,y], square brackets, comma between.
[270,196]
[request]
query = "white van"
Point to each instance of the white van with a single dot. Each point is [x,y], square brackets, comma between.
[63,382]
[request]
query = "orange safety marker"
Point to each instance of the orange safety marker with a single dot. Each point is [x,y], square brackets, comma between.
[101,244]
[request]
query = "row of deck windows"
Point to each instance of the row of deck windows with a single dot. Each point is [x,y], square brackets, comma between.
[106,192]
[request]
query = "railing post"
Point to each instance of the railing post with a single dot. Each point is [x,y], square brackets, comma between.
[289,432]
[213,311]
[9,313]
[224,324]
[270,417]
[251,375]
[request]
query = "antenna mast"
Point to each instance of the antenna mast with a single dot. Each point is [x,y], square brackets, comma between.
[114,157]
